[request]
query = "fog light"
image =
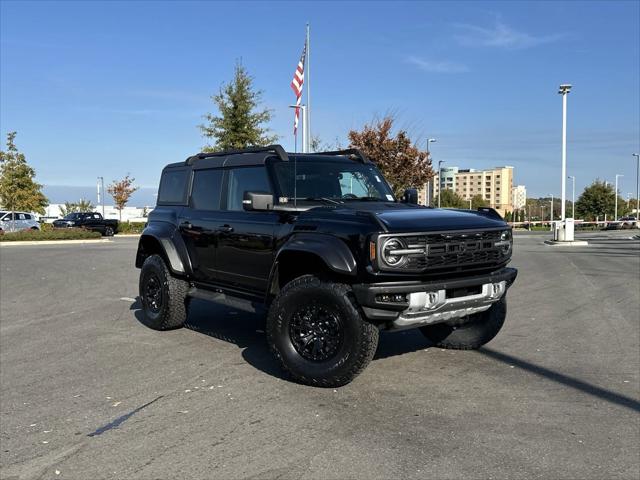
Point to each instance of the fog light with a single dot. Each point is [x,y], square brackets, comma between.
[392,298]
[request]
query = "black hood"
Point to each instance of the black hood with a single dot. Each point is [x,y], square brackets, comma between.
[400,217]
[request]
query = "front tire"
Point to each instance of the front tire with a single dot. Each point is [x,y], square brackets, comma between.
[476,330]
[164,298]
[316,331]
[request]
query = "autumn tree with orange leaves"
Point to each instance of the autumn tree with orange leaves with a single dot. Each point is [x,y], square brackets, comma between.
[121,191]
[401,161]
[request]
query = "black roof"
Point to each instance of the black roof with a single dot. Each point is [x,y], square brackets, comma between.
[257,156]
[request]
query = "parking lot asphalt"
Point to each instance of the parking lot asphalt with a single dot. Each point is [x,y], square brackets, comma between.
[87,391]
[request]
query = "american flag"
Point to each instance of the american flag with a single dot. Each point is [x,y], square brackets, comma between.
[296,85]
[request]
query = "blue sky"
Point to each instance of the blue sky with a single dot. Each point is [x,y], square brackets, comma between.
[109,88]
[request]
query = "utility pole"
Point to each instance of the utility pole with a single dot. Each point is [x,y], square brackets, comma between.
[439,180]
[637,189]
[615,211]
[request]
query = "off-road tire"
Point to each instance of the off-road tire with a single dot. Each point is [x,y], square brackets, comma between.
[473,333]
[108,232]
[172,309]
[359,337]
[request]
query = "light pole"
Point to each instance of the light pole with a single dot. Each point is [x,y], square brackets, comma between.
[305,147]
[542,214]
[439,180]
[564,91]
[101,203]
[573,196]
[551,218]
[615,211]
[430,140]
[637,187]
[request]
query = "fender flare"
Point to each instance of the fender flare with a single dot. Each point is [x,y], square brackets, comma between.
[173,247]
[333,251]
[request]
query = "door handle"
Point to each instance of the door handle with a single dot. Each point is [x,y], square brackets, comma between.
[225,228]
[186,225]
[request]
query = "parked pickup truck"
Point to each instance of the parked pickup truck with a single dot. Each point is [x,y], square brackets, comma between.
[321,241]
[89,221]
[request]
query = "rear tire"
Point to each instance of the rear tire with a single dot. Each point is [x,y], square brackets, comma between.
[477,330]
[108,232]
[164,298]
[316,331]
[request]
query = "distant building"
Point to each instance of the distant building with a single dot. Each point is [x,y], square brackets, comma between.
[129,214]
[493,185]
[519,194]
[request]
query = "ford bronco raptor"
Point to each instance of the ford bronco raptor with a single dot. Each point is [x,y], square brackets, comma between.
[321,241]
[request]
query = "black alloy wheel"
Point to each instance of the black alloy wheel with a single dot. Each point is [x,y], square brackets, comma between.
[316,332]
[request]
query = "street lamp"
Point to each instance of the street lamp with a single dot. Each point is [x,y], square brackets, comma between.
[573,196]
[101,203]
[542,214]
[551,218]
[615,211]
[637,187]
[440,162]
[430,140]
[564,91]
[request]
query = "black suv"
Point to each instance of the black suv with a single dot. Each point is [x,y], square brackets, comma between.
[321,241]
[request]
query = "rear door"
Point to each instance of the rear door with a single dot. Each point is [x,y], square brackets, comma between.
[245,240]
[200,222]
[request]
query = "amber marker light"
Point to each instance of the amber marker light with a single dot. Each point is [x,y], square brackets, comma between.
[372,251]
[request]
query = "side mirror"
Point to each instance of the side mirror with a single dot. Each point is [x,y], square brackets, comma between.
[410,196]
[257,201]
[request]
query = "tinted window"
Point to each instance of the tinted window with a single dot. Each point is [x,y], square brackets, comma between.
[205,193]
[173,186]
[252,179]
[27,216]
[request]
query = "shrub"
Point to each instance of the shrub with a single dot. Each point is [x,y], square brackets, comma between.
[131,227]
[61,234]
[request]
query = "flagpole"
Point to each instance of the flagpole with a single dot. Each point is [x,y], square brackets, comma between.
[308,80]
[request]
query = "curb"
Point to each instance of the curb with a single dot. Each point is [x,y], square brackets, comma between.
[56,242]
[127,235]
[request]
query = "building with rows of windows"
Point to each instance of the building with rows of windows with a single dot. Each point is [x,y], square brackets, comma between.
[495,185]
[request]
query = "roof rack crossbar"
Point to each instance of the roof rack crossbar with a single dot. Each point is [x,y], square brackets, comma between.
[349,152]
[277,149]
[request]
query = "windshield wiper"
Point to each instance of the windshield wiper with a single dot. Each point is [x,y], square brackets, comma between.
[368,199]
[324,199]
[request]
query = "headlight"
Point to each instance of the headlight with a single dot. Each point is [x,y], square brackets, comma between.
[392,252]
[505,242]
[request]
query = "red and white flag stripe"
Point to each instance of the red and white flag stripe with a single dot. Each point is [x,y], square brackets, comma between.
[296,85]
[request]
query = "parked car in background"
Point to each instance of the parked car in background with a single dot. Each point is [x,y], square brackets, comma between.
[628,222]
[16,221]
[89,221]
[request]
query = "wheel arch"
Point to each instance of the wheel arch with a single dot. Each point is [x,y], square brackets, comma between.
[167,243]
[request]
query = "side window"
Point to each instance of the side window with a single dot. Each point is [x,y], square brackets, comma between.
[27,216]
[205,192]
[248,179]
[96,216]
[20,216]
[173,186]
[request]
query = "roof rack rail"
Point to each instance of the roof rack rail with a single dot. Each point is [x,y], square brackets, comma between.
[349,152]
[277,149]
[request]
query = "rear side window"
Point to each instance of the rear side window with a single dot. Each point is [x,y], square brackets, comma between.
[173,186]
[252,179]
[205,192]
[27,216]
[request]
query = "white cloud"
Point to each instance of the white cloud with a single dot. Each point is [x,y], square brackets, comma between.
[437,66]
[500,36]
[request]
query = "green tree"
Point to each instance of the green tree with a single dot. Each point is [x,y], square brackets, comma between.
[598,200]
[478,201]
[18,189]
[81,205]
[450,199]
[240,122]
[121,191]
[403,164]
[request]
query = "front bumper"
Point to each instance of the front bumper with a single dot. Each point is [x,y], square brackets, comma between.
[401,305]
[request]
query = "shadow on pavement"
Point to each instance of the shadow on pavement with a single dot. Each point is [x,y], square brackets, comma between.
[602,393]
[246,330]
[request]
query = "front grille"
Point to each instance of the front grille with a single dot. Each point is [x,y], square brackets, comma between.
[450,251]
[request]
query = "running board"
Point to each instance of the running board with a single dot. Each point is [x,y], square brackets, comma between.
[223,299]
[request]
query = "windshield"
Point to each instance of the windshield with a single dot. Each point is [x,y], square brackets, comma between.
[332,181]
[72,216]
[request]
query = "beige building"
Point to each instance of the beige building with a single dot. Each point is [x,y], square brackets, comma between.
[494,185]
[519,195]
